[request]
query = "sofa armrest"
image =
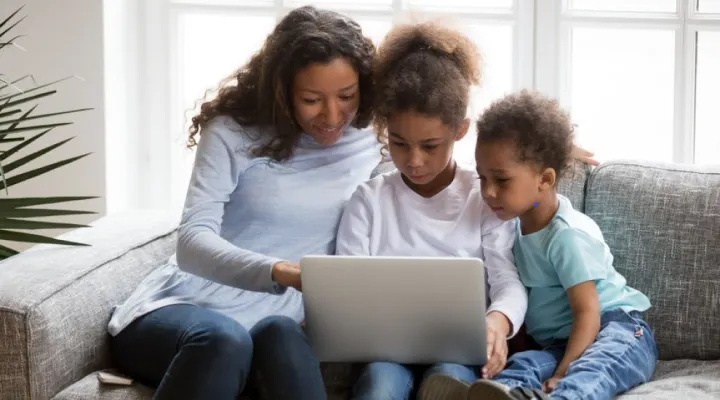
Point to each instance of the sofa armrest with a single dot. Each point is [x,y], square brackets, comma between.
[55,302]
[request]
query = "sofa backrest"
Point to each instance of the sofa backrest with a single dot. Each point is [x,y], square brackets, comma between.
[662,223]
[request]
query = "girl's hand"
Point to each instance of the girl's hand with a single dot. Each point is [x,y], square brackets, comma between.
[584,156]
[498,329]
[287,274]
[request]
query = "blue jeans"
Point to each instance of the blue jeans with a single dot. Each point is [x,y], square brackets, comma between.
[391,381]
[623,356]
[190,352]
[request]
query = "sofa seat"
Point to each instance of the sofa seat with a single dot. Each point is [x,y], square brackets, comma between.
[696,380]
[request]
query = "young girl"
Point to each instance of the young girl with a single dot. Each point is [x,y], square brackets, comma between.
[281,150]
[595,344]
[430,206]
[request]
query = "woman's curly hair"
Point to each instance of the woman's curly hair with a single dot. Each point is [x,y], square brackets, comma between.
[541,131]
[261,94]
[426,68]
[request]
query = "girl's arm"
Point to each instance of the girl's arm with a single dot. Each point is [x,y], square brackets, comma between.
[200,249]
[507,293]
[353,236]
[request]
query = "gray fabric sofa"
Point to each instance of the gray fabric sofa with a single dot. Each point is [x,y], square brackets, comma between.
[661,221]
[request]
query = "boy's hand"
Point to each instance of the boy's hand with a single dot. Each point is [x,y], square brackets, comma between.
[498,329]
[550,384]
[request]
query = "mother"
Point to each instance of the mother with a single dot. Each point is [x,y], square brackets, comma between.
[281,152]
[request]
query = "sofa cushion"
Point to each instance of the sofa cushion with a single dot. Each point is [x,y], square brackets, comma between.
[55,301]
[662,223]
[573,185]
[338,379]
[699,380]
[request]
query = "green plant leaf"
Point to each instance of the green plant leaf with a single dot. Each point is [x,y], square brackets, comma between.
[9,223]
[39,171]
[22,118]
[32,156]
[11,204]
[34,88]
[25,100]
[43,116]
[6,252]
[41,212]
[8,113]
[20,146]
[2,24]
[4,132]
[33,238]
[19,139]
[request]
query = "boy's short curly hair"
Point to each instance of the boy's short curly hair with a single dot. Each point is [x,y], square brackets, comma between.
[426,68]
[541,130]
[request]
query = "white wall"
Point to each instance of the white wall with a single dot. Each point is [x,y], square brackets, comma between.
[65,38]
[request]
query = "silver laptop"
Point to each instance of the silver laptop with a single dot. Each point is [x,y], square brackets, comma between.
[411,310]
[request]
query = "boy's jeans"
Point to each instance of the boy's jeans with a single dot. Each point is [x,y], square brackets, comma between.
[623,356]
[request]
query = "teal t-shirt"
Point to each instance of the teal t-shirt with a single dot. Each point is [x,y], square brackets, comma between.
[569,251]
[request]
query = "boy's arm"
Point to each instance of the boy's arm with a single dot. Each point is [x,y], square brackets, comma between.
[578,259]
[585,308]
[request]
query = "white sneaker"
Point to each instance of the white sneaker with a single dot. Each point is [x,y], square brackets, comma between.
[490,390]
[442,387]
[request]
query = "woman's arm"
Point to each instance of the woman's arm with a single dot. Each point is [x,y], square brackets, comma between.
[200,249]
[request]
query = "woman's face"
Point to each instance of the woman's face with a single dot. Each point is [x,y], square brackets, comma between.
[325,98]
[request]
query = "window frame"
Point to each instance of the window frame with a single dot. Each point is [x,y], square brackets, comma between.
[541,60]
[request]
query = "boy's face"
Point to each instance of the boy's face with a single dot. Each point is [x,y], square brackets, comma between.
[509,186]
[421,147]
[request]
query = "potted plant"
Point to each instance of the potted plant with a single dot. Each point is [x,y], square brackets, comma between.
[21,126]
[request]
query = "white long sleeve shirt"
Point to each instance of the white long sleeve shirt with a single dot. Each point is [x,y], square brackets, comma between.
[384,217]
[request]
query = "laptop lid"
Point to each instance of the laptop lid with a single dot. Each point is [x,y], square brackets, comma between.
[412,310]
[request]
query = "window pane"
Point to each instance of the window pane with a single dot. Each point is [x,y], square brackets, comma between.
[622,91]
[374,28]
[496,47]
[202,61]
[342,4]
[709,6]
[624,5]
[707,117]
[462,4]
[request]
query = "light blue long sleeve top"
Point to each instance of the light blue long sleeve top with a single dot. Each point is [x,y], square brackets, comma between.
[243,214]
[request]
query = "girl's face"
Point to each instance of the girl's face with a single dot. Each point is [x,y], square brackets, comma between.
[421,147]
[509,186]
[325,99]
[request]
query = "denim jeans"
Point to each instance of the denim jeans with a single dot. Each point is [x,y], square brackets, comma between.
[190,352]
[623,356]
[391,381]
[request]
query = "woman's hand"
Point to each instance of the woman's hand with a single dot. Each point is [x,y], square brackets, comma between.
[287,274]
[498,329]
[584,156]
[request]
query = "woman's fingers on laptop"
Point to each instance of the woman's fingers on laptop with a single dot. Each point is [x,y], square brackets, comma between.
[287,274]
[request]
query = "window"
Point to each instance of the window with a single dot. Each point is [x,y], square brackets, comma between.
[638,76]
